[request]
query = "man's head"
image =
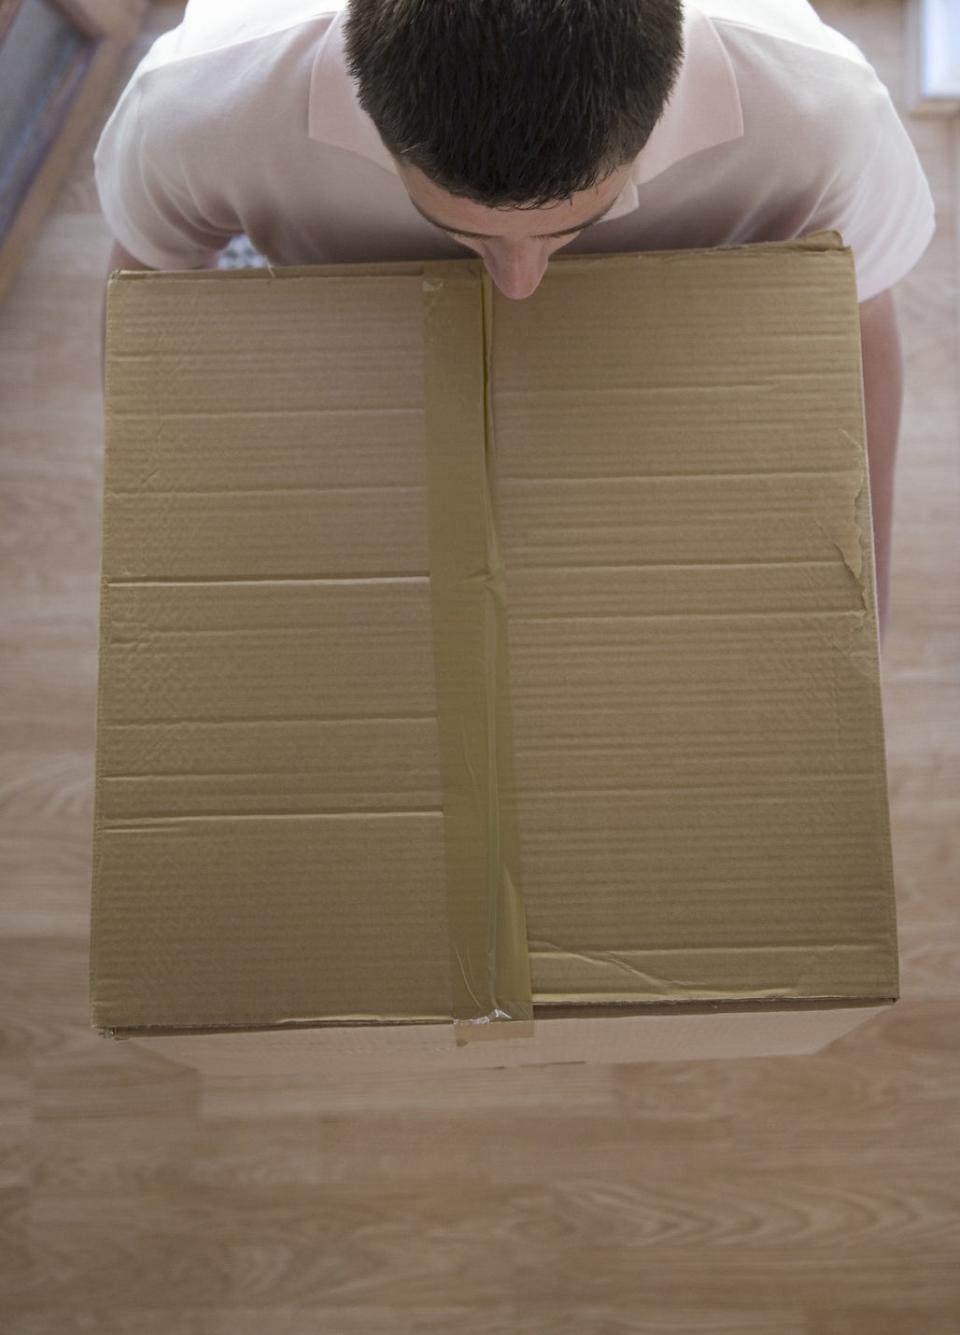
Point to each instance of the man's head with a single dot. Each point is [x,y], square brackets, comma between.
[513,120]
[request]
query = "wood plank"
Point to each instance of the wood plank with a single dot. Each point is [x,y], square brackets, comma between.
[98,84]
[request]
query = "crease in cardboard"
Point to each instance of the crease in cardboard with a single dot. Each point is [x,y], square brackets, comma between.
[850,545]
[713,998]
[850,538]
[674,986]
[610,959]
[490,967]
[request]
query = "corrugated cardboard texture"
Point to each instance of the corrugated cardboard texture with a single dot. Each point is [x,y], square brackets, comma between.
[684,520]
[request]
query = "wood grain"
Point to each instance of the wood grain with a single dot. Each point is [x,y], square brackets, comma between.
[802,1196]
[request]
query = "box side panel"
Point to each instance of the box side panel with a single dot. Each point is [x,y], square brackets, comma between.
[433,1048]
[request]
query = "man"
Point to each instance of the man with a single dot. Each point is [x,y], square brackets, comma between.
[359,130]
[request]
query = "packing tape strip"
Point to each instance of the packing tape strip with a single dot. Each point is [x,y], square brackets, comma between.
[490,964]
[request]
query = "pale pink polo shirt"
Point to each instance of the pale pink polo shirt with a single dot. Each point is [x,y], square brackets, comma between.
[244,120]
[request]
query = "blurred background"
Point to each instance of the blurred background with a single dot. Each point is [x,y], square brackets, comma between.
[799,1196]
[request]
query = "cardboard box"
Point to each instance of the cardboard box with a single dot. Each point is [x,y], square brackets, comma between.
[505,663]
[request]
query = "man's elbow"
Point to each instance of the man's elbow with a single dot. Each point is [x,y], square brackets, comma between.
[120,258]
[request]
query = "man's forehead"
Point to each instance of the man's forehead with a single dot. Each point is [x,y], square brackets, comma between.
[493,236]
[439,207]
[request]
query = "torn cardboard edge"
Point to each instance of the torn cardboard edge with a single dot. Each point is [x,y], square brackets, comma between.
[827,240]
[542,1015]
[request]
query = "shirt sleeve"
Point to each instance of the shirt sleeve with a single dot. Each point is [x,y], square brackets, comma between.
[142,174]
[880,199]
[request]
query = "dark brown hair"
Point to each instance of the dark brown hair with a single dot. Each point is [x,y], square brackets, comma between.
[514,103]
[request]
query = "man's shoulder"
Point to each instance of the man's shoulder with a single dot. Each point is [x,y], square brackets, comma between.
[222,60]
[224,66]
[797,76]
[210,26]
[781,22]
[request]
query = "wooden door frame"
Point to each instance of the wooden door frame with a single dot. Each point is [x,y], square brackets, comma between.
[110,26]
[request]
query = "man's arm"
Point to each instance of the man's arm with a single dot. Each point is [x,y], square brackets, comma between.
[883,398]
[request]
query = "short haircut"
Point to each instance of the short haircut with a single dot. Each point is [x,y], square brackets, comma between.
[514,103]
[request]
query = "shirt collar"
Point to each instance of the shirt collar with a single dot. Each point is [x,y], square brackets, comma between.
[703,109]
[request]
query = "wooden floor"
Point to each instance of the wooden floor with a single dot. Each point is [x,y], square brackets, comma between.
[769,1197]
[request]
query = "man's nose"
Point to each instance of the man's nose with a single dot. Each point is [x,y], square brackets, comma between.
[518,275]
